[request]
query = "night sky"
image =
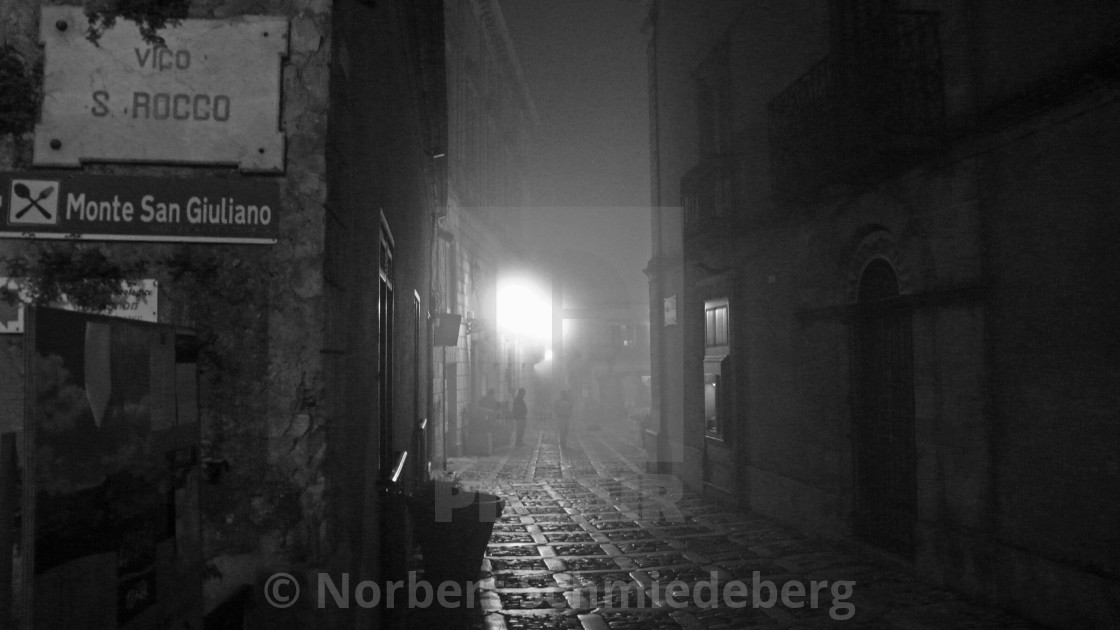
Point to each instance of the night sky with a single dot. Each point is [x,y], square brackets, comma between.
[585,65]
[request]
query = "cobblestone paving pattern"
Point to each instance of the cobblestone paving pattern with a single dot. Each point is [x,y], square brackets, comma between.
[581,545]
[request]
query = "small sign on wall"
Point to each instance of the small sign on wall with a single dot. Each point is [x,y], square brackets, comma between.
[60,204]
[671,310]
[141,303]
[210,96]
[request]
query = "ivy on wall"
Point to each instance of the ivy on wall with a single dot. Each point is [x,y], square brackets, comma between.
[87,277]
[217,294]
[222,294]
[91,276]
[21,83]
[149,15]
[19,92]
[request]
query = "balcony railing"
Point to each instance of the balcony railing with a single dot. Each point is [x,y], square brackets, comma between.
[708,194]
[871,103]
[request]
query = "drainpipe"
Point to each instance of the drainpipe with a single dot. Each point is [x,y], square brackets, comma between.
[655,271]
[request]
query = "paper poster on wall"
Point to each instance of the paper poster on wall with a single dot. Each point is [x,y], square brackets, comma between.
[671,310]
[141,302]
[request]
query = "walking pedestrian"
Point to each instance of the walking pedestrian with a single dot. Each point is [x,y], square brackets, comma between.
[562,409]
[520,412]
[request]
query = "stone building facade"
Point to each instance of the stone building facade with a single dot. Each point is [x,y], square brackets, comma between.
[883,285]
[490,111]
[316,349]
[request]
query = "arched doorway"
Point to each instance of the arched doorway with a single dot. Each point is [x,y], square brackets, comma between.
[883,422]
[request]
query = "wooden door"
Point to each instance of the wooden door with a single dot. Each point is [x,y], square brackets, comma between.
[886,493]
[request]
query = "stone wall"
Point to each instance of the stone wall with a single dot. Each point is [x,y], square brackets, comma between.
[1049,191]
[256,308]
[1000,239]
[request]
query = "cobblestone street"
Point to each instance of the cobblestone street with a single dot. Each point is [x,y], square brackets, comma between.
[579,519]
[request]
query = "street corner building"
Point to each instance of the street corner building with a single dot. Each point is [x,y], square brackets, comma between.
[883,291]
[279,182]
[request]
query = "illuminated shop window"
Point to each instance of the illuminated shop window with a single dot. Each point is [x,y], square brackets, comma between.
[717,349]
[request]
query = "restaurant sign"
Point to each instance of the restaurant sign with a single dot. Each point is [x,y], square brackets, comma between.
[209,95]
[45,204]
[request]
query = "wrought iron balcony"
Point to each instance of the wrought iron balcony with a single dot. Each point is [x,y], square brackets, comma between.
[871,104]
[708,194]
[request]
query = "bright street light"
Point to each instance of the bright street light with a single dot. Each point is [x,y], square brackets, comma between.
[524,310]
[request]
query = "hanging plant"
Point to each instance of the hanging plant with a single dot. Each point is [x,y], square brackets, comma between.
[149,15]
[87,278]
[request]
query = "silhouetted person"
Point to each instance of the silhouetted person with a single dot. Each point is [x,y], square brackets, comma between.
[520,412]
[562,409]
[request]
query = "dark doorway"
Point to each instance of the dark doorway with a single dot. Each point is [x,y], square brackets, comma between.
[883,423]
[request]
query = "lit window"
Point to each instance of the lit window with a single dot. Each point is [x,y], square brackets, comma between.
[711,402]
[717,348]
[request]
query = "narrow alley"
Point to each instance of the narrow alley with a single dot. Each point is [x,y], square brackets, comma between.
[810,306]
[579,545]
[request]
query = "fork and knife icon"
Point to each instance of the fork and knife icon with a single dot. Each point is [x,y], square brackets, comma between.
[23,192]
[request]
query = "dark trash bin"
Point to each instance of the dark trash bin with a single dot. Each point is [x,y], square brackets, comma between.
[454,550]
[453,535]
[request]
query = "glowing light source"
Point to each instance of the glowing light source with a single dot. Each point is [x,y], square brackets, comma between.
[524,310]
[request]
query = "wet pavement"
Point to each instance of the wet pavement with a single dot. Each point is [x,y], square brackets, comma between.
[587,540]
